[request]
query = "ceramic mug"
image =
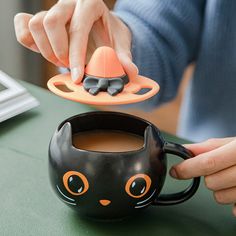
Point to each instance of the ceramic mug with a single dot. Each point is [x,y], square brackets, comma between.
[107,185]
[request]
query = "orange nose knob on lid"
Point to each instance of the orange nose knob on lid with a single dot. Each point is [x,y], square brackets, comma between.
[104,63]
[105,202]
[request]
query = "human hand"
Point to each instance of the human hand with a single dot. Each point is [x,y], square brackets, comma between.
[72,30]
[215,159]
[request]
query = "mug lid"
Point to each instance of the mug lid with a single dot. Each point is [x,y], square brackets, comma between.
[104,83]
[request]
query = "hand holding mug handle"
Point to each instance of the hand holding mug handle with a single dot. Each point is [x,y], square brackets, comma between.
[176,198]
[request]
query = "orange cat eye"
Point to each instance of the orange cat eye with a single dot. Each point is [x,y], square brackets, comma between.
[75,183]
[138,185]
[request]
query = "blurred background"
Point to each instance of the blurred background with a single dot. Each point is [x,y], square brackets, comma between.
[23,64]
[14,59]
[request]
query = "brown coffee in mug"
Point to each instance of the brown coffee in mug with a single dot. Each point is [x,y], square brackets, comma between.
[107,141]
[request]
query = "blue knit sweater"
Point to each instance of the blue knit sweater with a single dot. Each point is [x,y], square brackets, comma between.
[170,34]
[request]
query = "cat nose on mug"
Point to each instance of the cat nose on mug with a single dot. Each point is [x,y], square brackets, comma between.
[105,202]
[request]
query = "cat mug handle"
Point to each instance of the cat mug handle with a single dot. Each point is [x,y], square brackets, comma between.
[176,198]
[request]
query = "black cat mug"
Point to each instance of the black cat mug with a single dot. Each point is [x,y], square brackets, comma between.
[112,185]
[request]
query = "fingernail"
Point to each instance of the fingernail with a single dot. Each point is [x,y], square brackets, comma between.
[186,145]
[34,48]
[59,64]
[136,68]
[75,74]
[173,173]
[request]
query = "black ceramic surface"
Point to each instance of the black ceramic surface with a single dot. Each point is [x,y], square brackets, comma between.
[104,185]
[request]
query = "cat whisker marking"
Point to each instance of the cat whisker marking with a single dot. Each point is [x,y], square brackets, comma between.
[71,203]
[143,205]
[147,198]
[71,199]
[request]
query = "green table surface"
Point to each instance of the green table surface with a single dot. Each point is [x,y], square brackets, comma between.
[29,207]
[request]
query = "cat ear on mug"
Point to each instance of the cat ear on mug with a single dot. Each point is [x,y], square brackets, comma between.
[64,135]
[149,137]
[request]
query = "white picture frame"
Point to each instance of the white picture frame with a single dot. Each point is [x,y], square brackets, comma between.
[13,89]
[14,98]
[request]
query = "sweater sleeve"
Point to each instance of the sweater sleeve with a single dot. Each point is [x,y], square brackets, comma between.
[165,39]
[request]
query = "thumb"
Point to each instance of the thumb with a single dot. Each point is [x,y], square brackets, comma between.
[208,145]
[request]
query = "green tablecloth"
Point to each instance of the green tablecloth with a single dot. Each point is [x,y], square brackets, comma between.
[29,207]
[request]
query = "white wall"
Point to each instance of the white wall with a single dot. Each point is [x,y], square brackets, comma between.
[14,59]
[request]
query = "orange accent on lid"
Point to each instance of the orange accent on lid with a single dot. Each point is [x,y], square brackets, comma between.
[78,93]
[104,63]
[105,202]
